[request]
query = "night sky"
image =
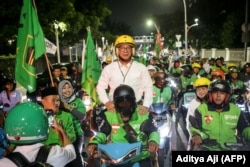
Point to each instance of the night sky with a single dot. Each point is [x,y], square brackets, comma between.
[136,12]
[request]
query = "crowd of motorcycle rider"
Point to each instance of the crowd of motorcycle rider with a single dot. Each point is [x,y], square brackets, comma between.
[219,113]
[127,88]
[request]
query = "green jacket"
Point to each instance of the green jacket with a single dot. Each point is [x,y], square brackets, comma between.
[77,106]
[118,134]
[65,119]
[162,97]
[238,85]
[223,68]
[175,71]
[185,81]
[220,126]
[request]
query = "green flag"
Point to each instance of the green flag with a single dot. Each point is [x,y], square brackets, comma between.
[91,68]
[30,46]
[158,43]
[144,54]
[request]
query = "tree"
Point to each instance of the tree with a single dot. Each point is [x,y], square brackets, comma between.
[9,18]
[229,30]
[76,14]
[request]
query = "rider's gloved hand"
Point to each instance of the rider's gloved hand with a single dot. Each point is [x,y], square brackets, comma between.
[142,109]
[152,146]
[92,148]
[196,140]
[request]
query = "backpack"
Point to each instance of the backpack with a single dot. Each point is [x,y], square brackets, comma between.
[4,143]
[40,160]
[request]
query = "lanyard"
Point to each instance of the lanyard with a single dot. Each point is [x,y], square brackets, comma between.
[124,75]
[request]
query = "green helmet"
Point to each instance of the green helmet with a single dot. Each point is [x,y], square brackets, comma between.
[233,70]
[26,123]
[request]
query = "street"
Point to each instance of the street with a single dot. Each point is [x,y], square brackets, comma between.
[179,140]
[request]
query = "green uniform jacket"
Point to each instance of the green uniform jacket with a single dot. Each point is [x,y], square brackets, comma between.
[223,68]
[117,134]
[221,126]
[162,97]
[185,81]
[238,85]
[77,106]
[65,119]
[175,71]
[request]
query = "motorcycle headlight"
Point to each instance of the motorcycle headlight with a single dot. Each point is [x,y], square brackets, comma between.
[128,156]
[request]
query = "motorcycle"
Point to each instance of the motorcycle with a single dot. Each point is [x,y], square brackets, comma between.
[117,154]
[241,145]
[173,83]
[241,102]
[163,121]
[184,101]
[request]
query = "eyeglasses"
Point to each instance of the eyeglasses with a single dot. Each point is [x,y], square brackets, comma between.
[123,49]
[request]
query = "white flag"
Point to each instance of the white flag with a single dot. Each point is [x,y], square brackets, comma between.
[50,47]
[83,52]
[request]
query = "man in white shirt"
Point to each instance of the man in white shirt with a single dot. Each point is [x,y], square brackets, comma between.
[125,71]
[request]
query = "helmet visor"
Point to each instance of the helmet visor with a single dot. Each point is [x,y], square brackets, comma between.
[124,105]
[124,101]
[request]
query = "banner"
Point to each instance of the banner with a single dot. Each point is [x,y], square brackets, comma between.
[50,47]
[30,46]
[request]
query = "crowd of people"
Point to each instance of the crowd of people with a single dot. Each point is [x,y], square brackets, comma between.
[219,112]
[126,88]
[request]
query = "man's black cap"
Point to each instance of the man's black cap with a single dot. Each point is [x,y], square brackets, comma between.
[49,91]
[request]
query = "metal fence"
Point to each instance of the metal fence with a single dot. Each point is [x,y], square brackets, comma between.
[230,55]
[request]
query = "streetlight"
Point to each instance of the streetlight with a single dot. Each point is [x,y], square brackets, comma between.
[193,25]
[62,27]
[150,22]
[186,27]
[103,44]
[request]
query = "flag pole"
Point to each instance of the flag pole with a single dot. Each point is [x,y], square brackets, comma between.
[83,52]
[48,65]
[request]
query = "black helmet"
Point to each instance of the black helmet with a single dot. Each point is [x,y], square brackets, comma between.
[160,75]
[125,101]
[160,79]
[211,59]
[218,58]
[245,66]
[220,85]
[187,70]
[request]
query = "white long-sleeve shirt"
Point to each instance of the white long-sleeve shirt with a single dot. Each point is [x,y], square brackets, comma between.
[133,74]
[58,156]
[191,109]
